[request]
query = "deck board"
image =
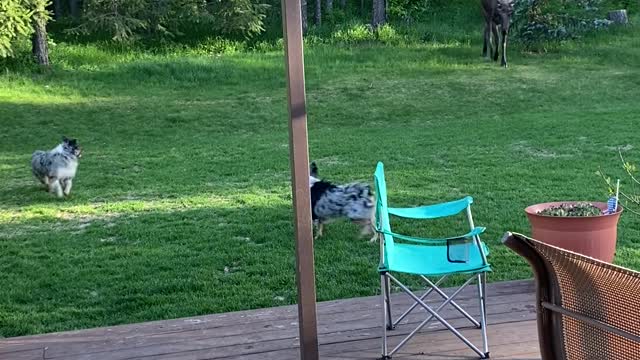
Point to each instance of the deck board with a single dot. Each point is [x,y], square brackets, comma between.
[348,329]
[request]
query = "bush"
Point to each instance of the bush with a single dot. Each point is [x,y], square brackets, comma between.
[409,10]
[539,22]
[353,34]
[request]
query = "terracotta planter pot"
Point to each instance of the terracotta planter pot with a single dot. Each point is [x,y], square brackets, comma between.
[593,236]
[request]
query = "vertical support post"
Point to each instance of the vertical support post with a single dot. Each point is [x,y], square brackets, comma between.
[299,158]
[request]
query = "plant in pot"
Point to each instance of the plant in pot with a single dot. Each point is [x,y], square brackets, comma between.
[588,228]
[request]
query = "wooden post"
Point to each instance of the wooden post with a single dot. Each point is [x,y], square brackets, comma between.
[299,158]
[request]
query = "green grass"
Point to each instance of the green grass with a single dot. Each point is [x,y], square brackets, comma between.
[182,202]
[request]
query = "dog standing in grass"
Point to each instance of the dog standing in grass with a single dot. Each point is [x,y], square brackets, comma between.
[56,168]
[329,202]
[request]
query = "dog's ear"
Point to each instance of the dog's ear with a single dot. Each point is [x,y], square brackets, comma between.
[313,169]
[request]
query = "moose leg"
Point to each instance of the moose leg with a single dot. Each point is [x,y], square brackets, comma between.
[504,49]
[487,39]
[496,41]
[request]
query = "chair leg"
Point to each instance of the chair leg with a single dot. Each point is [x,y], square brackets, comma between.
[438,317]
[453,303]
[427,320]
[415,304]
[383,297]
[482,294]
[390,325]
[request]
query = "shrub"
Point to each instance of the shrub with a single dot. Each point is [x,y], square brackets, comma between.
[539,22]
[630,196]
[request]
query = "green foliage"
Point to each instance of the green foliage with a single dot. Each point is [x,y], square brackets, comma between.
[623,4]
[540,22]
[409,10]
[572,210]
[16,18]
[118,19]
[128,20]
[354,33]
[629,195]
[15,21]
[239,16]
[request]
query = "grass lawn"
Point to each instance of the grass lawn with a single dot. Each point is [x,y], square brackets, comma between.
[182,205]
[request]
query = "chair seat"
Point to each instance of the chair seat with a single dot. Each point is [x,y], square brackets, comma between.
[432,260]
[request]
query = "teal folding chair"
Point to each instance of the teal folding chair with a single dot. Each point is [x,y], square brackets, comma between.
[463,254]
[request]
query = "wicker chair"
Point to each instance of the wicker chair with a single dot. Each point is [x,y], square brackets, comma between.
[587,309]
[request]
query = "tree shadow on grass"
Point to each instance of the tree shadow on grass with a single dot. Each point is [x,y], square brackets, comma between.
[105,270]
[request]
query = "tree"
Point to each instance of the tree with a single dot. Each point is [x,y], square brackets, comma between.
[303,8]
[328,5]
[39,19]
[21,18]
[379,13]
[126,20]
[57,9]
[317,16]
[74,8]
[239,16]
[15,21]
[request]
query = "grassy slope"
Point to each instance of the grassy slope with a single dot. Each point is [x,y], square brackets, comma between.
[182,201]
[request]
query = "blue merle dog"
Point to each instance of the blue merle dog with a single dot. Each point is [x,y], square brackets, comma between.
[329,202]
[56,168]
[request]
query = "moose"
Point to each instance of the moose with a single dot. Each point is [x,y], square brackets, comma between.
[496,13]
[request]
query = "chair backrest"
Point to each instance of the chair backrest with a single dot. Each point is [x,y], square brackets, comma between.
[382,213]
[587,309]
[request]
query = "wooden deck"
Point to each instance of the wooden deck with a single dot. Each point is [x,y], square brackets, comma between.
[348,329]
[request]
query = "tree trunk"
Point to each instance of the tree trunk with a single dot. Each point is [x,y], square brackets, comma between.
[39,46]
[328,6]
[379,13]
[57,9]
[318,14]
[74,7]
[343,4]
[618,17]
[303,8]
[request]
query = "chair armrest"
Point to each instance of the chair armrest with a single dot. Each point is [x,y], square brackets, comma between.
[433,211]
[435,241]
